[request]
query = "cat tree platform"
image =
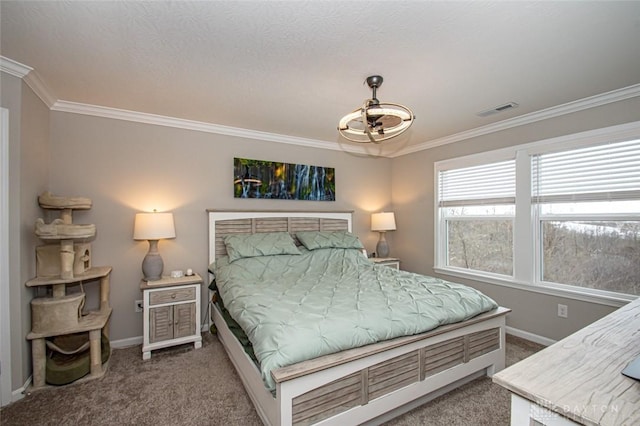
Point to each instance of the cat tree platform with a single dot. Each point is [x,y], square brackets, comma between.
[63,318]
[60,314]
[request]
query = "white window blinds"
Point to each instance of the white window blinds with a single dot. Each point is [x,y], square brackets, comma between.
[485,184]
[598,173]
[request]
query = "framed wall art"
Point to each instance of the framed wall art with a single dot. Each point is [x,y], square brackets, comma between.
[282,181]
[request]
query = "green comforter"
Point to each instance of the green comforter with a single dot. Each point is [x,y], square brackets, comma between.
[298,307]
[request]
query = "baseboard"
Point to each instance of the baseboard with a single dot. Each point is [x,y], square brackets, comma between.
[125,343]
[19,393]
[133,341]
[529,336]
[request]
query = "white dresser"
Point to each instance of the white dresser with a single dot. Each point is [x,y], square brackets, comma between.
[578,380]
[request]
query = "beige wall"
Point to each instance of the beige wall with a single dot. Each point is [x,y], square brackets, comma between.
[412,196]
[128,167]
[28,175]
[34,170]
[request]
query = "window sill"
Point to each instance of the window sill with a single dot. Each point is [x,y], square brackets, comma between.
[558,291]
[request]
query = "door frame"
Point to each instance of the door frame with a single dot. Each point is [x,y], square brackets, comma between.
[5,304]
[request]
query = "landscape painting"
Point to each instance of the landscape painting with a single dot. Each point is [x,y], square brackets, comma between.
[282,181]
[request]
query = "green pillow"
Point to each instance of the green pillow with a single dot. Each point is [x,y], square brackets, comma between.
[329,239]
[260,244]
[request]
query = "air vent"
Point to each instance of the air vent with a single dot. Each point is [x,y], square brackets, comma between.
[497,109]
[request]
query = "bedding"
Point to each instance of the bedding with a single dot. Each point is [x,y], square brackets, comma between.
[263,244]
[298,307]
[313,240]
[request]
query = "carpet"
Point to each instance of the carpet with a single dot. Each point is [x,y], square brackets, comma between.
[183,386]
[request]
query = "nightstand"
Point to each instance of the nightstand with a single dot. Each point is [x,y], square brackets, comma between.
[392,262]
[171,313]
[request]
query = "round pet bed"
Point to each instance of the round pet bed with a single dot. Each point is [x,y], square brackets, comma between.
[64,368]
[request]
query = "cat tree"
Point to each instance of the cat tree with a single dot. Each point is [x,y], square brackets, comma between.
[57,320]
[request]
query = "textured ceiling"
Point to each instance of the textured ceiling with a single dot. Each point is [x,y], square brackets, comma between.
[295,67]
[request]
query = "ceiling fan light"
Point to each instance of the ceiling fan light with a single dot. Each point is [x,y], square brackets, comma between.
[375,121]
[403,114]
[354,128]
[354,116]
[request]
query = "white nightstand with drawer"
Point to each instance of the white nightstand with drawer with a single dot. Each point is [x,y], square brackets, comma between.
[392,262]
[171,313]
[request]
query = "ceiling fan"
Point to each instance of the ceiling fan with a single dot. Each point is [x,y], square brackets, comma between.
[375,121]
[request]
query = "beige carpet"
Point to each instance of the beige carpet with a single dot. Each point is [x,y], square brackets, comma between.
[182,386]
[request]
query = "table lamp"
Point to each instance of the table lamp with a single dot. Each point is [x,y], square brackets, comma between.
[383,222]
[153,227]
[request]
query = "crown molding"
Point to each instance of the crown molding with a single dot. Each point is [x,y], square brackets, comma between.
[556,111]
[34,81]
[199,126]
[40,88]
[14,68]
[29,76]
[544,114]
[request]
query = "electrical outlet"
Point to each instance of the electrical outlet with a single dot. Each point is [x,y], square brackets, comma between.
[137,306]
[563,311]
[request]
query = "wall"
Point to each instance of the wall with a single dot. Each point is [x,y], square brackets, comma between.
[28,176]
[413,202]
[127,167]
[34,179]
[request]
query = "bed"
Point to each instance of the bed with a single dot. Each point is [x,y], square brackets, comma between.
[369,383]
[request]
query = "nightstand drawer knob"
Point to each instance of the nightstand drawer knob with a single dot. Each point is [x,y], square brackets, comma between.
[173,296]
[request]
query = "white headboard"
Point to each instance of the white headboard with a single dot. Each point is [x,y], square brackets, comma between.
[225,222]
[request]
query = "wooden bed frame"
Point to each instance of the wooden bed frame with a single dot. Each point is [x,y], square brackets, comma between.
[370,384]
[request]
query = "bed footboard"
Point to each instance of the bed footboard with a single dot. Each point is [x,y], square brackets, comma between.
[376,382]
[399,372]
[363,384]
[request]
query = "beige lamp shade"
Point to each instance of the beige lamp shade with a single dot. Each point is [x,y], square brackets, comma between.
[153,226]
[385,221]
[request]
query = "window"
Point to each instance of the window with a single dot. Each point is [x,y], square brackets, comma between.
[588,205]
[562,214]
[477,205]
